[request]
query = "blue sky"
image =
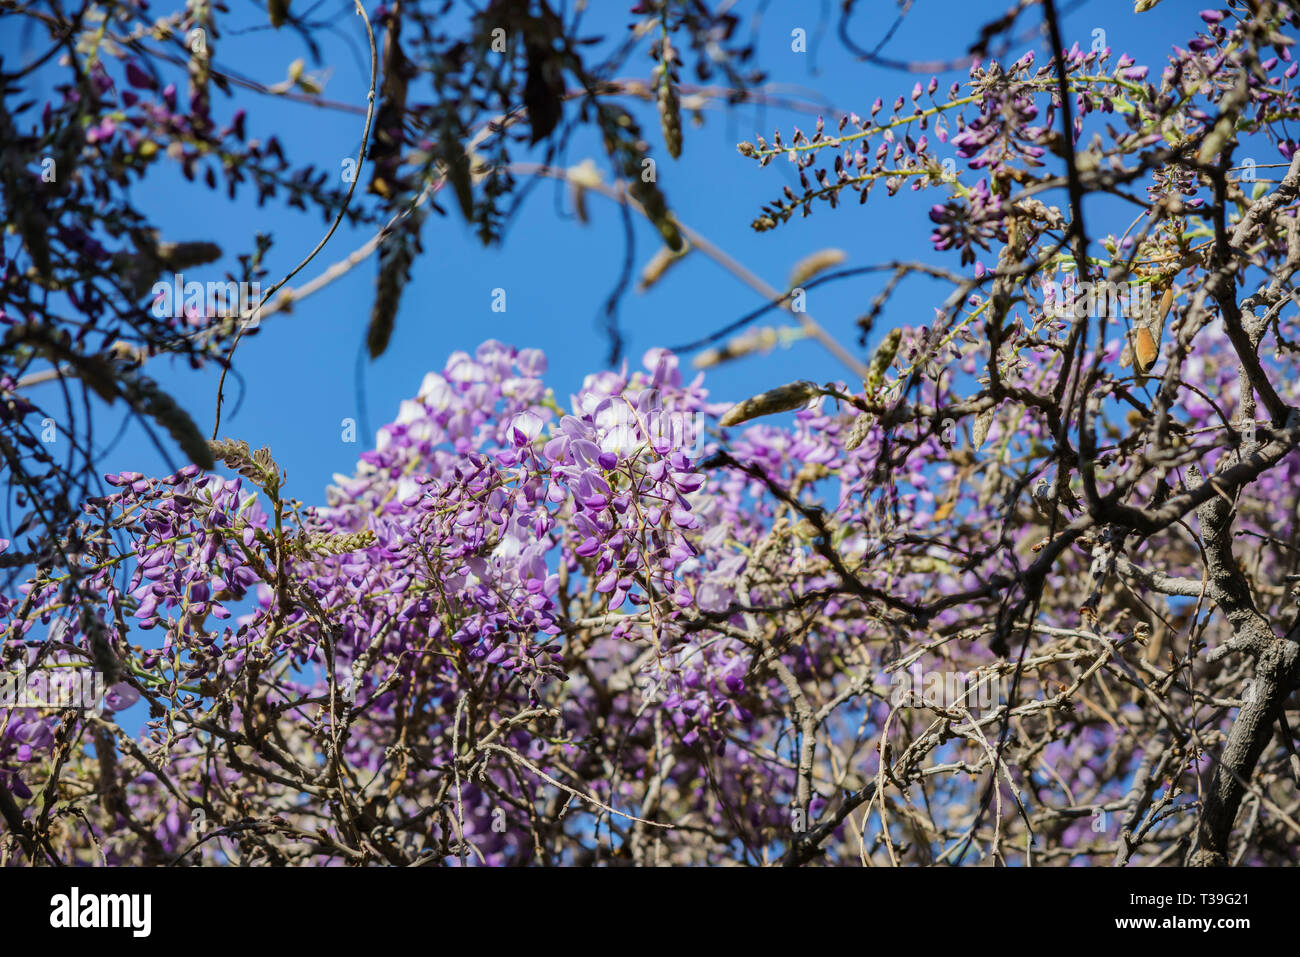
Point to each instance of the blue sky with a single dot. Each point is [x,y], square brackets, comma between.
[557,273]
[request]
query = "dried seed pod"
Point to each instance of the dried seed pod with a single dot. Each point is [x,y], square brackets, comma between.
[883,358]
[658,265]
[859,431]
[781,399]
[816,263]
[1145,349]
[181,256]
[279,11]
[655,207]
[581,178]
[756,340]
[1146,337]
[980,431]
[670,105]
[146,397]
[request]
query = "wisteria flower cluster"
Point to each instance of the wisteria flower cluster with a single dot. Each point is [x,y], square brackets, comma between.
[1023,594]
